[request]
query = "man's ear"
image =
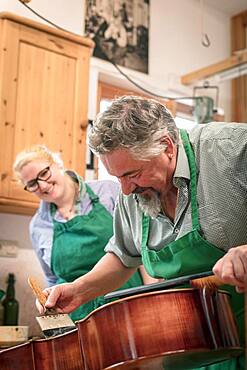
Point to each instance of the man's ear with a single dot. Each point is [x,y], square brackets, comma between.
[170,147]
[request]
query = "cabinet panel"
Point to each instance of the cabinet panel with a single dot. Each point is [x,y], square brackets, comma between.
[44,97]
[239,85]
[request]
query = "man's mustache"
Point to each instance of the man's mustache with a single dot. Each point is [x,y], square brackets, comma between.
[139,190]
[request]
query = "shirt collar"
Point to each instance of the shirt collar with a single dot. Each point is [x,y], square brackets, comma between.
[82,186]
[182,166]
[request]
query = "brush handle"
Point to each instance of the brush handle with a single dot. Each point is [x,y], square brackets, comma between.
[37,291]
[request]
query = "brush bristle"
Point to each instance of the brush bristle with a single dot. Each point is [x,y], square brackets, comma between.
[211,282]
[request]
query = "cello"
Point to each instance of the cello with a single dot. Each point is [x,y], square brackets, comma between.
[166,329]
[169,329]
[60,352]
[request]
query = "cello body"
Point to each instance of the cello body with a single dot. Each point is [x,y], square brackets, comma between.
[61,352]
[17,357]
[171,329]
[164,330]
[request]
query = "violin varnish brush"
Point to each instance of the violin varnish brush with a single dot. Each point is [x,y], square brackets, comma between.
[198,280]
[51,323]
[210,282]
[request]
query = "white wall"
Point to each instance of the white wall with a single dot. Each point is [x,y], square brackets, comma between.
[175,43]
[25,264]
[67,14]
[175,49]
[175,39]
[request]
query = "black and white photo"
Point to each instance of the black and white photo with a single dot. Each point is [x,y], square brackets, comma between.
[119,29]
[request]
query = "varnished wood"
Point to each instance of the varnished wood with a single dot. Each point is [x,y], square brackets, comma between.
[239,85]
[157,330]
[213,69]
[44,99]
[154,329]
[17,358]
[48,29]
[110,92]
[61,352]
[22,207]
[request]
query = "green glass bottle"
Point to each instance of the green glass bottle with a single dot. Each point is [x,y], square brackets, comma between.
[10,304]
[1,307]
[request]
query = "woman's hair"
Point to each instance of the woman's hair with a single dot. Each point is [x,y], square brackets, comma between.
[33,153]
[135,123]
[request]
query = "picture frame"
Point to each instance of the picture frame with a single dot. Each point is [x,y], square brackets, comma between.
[120,31]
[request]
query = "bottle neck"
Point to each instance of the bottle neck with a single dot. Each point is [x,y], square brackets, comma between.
[10,294]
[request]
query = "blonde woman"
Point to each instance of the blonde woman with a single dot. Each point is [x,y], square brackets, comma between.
[74,221]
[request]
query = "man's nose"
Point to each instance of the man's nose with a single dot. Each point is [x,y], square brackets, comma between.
[127,186]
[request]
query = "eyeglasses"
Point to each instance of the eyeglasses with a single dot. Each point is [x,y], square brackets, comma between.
[43,175]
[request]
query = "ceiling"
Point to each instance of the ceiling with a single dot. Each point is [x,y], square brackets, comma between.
[230,7]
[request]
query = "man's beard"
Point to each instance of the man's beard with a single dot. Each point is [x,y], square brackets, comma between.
[150,206]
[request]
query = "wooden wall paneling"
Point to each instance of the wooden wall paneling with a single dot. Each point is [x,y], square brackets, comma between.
[239,85]
[110,92]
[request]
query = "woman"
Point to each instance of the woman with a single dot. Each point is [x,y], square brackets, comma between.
[74,220]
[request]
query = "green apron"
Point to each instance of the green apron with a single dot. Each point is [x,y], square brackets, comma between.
[191,254]
[78,244]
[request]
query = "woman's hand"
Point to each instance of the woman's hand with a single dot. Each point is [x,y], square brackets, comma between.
[64,298]
[232,268]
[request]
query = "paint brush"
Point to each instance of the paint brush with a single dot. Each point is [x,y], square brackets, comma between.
[51,323]
[198,280]
[210,282]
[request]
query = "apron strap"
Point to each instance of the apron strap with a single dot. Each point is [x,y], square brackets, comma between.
[93,197]
[193,178]
[145,229]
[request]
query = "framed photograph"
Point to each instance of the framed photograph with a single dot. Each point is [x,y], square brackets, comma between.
[89,154]
[119,29]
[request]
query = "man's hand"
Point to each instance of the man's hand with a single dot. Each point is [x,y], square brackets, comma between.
[107,275]
[64,298]
[232,268]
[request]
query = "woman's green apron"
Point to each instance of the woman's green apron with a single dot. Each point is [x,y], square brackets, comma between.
[78,244]
[191,254]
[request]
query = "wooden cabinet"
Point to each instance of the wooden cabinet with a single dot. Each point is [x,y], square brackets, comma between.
[239,85]
[43,99]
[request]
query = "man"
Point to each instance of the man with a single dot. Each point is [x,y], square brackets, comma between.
[184,204]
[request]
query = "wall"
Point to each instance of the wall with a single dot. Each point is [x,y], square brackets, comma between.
[26,264]
[175,43]
[57,11]
[175,49]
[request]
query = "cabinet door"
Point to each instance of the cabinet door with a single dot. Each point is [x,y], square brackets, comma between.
[44,100]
